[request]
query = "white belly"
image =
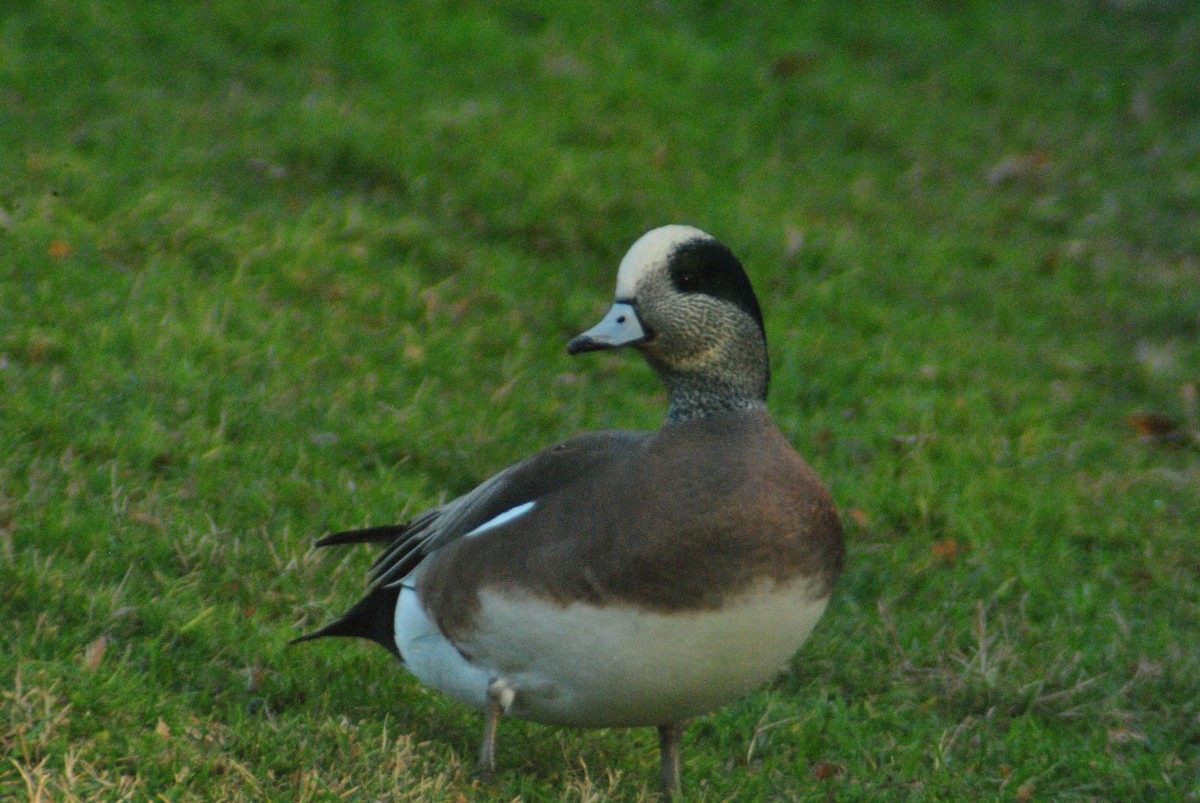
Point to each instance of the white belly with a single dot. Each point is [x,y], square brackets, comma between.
[612,666]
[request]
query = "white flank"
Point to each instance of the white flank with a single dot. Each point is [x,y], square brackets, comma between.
[503,518]
[432,658]
[612,666]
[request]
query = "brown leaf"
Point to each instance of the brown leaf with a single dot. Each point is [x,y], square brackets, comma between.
[1025,792]
[163,729]
[60,250]
[1155,428]
[946,550]
[825,770]
[93,654]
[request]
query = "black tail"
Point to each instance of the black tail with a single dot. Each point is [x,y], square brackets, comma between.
[372,617]
[383,534]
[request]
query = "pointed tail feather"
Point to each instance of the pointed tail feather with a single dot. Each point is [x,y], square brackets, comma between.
[372,617]
[383,534]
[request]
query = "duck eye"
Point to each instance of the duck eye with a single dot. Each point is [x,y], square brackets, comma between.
[621,319]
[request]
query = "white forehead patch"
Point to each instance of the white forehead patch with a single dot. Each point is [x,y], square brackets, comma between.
[650,252]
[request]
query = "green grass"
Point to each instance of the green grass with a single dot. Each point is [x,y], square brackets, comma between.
[271,269]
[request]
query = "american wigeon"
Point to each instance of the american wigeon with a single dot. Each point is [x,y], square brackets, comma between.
[623,579]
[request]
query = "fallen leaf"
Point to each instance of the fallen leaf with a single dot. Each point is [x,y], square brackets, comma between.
[825,770]
[93,654]
[946,550]
[60,250]
[163,729]
[1155,428]
[1025,792]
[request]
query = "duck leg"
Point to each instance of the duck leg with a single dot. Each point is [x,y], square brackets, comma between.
[500,697]
[670,737]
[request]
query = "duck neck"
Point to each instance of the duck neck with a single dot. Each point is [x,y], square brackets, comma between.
[694,396]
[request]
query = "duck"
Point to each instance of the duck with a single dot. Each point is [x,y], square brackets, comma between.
[623,579]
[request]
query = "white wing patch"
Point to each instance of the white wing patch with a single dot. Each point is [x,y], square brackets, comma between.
[503,518]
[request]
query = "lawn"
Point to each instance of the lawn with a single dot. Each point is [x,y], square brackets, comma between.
[273,269]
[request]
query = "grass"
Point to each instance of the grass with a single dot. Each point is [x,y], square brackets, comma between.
[272,269]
